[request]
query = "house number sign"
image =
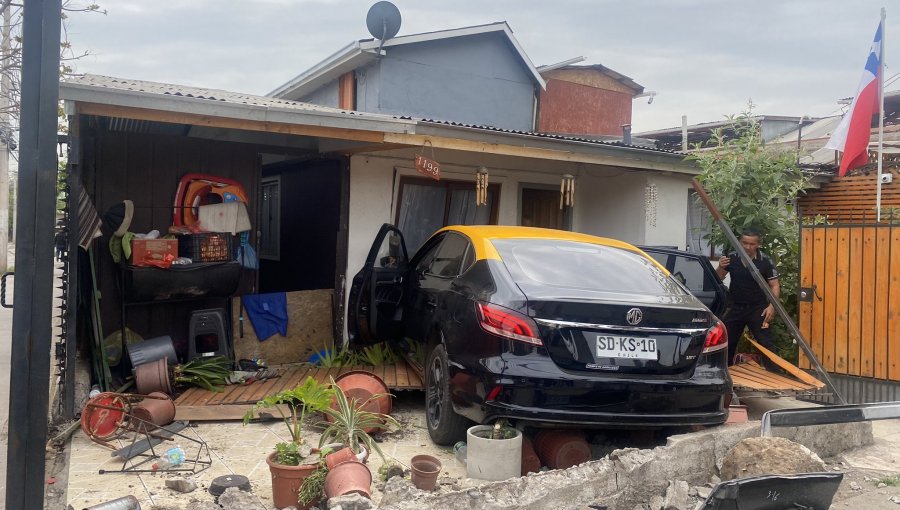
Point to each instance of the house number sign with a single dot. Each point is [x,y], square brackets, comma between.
[428,166]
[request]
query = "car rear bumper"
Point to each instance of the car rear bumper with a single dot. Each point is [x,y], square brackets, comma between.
[538,391]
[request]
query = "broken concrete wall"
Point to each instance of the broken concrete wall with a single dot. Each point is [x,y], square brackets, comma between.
[629,477]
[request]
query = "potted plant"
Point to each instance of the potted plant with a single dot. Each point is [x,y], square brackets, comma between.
[290,464]
[494,452]
[350,422]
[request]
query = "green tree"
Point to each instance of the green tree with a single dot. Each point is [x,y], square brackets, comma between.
[755,187]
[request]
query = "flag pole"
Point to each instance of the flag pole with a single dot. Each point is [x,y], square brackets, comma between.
[880,118]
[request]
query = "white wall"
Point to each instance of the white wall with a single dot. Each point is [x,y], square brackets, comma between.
[671,206]
[611,205]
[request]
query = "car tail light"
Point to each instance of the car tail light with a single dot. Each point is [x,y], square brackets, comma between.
[716,338]
[507,323]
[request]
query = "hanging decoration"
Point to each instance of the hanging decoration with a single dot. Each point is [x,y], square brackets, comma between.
[428,166]
[567,191]
[651,195]
[481,186]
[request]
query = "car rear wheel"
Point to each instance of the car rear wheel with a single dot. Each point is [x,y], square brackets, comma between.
[444,426]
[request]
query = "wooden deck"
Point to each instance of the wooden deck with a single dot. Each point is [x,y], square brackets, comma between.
[751,376]
[231,404]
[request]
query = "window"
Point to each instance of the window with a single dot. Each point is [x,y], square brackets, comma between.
[270,218]
[576,265]
[427,205]
[699,226]
[449,257]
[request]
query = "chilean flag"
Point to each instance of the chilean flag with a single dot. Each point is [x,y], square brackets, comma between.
[852,135]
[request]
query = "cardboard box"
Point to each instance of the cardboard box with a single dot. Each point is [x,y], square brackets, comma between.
[146,251]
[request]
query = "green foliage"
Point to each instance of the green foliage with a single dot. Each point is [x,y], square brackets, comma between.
[287,454]
[755,187]
[377,355]
[207,373]
[330,358]
[309,397]
[313,485]
[351,420]
[892,481]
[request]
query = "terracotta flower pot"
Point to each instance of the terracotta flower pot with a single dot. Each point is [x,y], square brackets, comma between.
[286,482]
[156,411]
[531,463]
[561,449]
[153,376]
[339,457]
[361,385]
[348,478]
[425,470]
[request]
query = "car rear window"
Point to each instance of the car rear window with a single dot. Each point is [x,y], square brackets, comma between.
[576,265]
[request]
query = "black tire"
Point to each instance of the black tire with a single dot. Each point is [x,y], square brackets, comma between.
[444,426]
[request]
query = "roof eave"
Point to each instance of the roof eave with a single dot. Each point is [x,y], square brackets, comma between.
[80,93]
[344,60]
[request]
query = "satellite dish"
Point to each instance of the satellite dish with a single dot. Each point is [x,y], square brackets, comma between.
[383,20]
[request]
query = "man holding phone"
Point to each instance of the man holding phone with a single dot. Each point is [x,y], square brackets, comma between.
[749,306]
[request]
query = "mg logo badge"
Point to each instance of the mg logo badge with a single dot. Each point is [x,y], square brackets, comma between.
[634,316]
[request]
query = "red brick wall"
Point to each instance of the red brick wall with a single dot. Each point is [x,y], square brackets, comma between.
[572,108]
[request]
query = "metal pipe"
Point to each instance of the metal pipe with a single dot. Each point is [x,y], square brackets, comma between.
[124,503]
[764,286]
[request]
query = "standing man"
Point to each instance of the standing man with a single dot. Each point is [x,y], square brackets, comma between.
[749,306]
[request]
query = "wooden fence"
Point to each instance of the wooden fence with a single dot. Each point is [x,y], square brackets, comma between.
[851,320]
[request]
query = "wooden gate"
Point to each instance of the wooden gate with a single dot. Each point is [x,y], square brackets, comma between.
[850,317]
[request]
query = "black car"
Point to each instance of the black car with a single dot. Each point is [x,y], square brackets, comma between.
[547,326]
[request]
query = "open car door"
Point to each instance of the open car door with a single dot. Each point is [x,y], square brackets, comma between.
[696,273]
[377,290]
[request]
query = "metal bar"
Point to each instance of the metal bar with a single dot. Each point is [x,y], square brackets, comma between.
[764,286]
[36,209]
[72,289]
[828,415]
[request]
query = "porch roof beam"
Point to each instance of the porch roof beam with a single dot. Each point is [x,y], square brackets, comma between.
[545,148]
[417,134]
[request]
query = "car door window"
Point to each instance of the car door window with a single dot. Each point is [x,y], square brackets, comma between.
[449,257]
[689,272]
[423,258]
[390,253]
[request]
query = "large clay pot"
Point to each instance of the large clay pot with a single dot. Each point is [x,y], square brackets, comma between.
[361,385]
[158,411]
[561,449]
[348,478]
[531,463]
[286,482]
[153,376]
[425,470]
[339,457]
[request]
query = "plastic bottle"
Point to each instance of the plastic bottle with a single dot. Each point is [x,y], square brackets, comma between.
[459,450]
[95,390]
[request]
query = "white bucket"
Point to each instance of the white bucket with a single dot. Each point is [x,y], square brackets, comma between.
[492,459]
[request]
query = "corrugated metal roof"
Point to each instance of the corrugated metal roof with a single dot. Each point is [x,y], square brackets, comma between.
[169,89]
[614,143]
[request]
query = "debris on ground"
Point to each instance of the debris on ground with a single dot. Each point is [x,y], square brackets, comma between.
[236,499]
[181,484]
[350,502]
[755,456]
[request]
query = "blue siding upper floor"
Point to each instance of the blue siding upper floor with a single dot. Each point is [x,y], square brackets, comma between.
[326,95]
[476,79]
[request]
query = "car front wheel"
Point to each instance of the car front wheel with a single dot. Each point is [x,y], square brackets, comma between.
[444,426]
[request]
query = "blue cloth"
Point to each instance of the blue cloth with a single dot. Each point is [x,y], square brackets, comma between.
[267,313]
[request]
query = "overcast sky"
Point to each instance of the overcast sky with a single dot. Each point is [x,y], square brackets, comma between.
[704,58]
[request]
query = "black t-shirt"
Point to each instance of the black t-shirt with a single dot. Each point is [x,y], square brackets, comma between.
[744,290]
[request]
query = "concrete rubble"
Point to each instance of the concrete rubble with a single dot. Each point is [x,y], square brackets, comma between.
[183,485]
[627,478]
[757,456]
[236,499]
[350,502]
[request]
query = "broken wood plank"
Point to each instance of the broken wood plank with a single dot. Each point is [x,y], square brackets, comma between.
[788,366]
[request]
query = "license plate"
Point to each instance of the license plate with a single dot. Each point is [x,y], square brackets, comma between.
[609,346]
